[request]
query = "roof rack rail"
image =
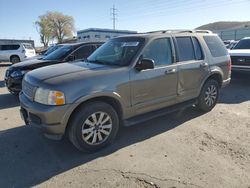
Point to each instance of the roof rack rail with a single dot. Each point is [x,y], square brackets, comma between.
[181,31]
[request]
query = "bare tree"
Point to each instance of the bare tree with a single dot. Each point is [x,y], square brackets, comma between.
[44,30]
[61,25]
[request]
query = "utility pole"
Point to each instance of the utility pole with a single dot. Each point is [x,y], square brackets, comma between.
[114,15]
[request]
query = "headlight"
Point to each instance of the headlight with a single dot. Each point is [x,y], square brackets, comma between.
[18,73]
[48,97]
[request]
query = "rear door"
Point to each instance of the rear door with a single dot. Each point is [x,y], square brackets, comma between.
[192,67]
[155,88]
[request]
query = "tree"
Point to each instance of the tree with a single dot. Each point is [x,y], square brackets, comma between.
[44,30]
[61,25]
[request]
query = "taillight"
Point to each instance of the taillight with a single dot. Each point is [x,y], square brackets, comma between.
[230,64]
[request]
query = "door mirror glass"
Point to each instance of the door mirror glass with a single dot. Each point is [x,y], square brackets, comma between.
[145,64]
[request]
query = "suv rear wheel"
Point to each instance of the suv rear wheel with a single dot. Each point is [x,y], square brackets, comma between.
[93,126]
[14,59]
[208,96]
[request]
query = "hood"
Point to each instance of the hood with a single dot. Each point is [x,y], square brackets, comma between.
[239,52]
[32,64]
[64,69]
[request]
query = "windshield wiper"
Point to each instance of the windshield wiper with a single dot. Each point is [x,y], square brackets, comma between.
[98,62]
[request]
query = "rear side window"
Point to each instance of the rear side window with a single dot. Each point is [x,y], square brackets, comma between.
[10,47]
[160,51]
[185,48]
[197,49]
[216,46]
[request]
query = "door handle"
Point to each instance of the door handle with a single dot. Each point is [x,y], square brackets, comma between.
[170,71]
[204,65]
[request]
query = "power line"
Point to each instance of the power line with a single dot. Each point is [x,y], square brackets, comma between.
[114,15]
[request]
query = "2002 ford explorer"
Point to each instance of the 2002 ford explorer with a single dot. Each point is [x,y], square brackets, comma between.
[127,80]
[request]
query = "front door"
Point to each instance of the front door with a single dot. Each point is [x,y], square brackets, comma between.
[155,88]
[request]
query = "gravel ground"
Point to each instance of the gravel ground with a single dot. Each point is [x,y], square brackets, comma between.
[182,149]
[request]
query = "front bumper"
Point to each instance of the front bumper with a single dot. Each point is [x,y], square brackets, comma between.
[52,120]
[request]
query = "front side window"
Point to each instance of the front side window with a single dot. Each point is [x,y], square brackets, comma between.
[185,48]
[243,44]
[60,53]
[83,52]
[119,51]
[160,51]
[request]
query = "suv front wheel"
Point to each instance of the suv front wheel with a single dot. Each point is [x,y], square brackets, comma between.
[93,126]
[208,96]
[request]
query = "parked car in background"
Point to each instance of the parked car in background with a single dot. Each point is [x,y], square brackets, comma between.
[232,44]
[127,80]
[46,52]
[15,53]
[68,52]
[240,55]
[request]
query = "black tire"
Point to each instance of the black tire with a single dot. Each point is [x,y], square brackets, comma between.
[14,59]
[78,122]
[206,102]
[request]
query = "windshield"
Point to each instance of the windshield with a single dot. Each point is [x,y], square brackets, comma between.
[28,46]
[60,53]
[52,49]
[119,51]
[243,44]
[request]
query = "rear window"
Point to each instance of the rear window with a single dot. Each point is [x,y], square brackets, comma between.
[28,46]
[10,47]
[243,44]
[216,46]
[185,48]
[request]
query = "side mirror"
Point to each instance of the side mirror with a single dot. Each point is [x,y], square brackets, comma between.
[145,64]
[71,58]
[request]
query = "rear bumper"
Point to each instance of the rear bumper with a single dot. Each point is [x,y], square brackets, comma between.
[51,120]
[225,82]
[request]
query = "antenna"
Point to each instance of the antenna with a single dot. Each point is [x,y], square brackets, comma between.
[114,15]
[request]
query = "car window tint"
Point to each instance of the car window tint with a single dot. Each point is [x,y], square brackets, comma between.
[197,49]
[243,44]
[160,51]
[83,52]
[216,46]
[185,48]
[10,47]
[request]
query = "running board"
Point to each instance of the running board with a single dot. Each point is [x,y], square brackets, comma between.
[151,115]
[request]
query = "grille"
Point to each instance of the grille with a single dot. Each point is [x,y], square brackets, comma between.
[28,89]
[240,60]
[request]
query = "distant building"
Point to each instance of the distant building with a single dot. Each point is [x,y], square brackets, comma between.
[100,35]
[14,41]
[233,34]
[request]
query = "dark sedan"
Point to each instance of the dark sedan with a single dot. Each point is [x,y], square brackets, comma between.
[69,52]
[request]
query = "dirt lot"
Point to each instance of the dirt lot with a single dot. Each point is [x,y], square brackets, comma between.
[184,149]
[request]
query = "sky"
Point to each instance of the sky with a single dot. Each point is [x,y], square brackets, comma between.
[17,17]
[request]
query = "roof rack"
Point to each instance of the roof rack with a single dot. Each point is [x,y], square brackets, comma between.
[181,31]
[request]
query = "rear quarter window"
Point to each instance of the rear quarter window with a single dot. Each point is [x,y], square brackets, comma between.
[216,46]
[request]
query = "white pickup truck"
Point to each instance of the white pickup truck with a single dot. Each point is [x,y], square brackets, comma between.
[240,55]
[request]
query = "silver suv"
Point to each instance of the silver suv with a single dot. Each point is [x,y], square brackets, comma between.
[127,80]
